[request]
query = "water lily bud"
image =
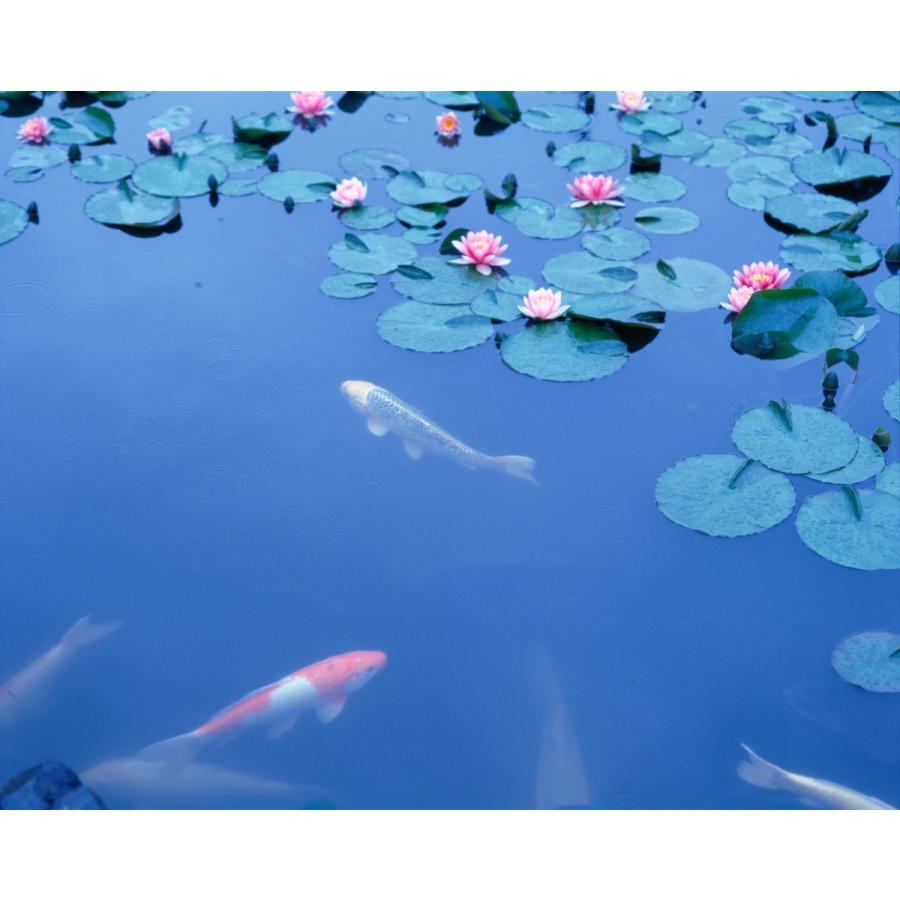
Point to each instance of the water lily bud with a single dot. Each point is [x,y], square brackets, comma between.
[828,403]
[881,439]
[830,382]
[213,184]
[32,212]
[271,162]
[74,153]
[289,204]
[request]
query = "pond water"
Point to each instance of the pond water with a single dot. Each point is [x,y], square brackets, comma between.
[177,456]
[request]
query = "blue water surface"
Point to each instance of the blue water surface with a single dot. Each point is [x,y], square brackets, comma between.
[176,454]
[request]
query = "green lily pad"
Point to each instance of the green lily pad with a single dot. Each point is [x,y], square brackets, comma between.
[770,109]
[238,187]
[622,309]
[23,174]
[828,524]
[452,99]
[173,119]
[564,350]
[375,254]
[593,157]
[763,168]
[238,157]
[870,660]
[92,125]
[891,399]
[844,294]
[585,273]
[367,218]
[824,96]
[103,169]
[746,130]
[755,194]
[682,143]
[551,117]
[616,243]
[667,220]
[722,152]
[888,479]
[784,145]
[844,173]
[697,285]
[422,235]
[776,324]
[887,293]
[867,463]
[202,142]
[124,207]
[13,220]
[842,251]
[671,101]
[881,105]
[425,187]
[498,306]
[373,163]
[817,441]
[651,187]
[724,495]
[300,185]
[859,127]
[813,213]
[45,156]
[178,176]
[419,217]
[265,130]
[433,329]
[449,284]
[348,286]
[539,219]
[651,120]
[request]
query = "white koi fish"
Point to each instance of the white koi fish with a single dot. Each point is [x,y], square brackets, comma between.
[385,413]
[25,688]
[812,791]
[323,687]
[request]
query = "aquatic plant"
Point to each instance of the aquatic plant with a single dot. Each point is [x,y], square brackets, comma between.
[482,250]
[738,298]
[160,140]
[311,104]
[595,190]
[760,276]
[447,125]
[349,193]
[36,130]
[630,102]
[543,304]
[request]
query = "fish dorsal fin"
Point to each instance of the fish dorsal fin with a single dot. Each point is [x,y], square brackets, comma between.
[413,451]
[377,428]
[331,709]
[282,727]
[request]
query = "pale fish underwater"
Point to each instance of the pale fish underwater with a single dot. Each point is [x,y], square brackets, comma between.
[386,412]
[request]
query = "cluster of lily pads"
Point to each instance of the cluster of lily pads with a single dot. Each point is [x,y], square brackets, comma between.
[870,660]
[726,495]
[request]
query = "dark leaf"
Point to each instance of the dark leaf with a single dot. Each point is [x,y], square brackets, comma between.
[355,243]
[415,272]
[447,248]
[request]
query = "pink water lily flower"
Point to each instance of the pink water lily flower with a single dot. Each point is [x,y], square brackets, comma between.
[738,298]
[448,125]
[631,102]
[543,304]
[160,139]
[761,276]
[595,190]
[350,192]
[482,250]
[35,130]
[311,104]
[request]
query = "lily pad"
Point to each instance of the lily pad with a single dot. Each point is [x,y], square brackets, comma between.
[238,157]
[651,187]
[829,525]
[770,109]
[373,163]
[824,96]
[881,105]
[870,660]
[682,143]
[891,399]
[746,130]
[348,286]
[867,463]
[566,350]
[425,187]
[449,284]
[697,285]
[616,243]
[238,187]
[103,169]
[622,309]
[651,120]
[300,185]
[785,145]
[375,254]
[667,220]
[816,441]
[585,273]
[38,157]
[722,152]
[178,176]
[497,306]
[860,127]
[724,495]
[594,157]
[755,194]
[452,99]
[202,142]
[539,219]
[419,217]
[842,251]
[13,220]
[889,479]
[174,118]
[92,125]
[671,101]
[552,117]
[367,218]
[887,293]
[265,130]
[765,168]
[851,174]
[813,213]
[844,294]
[124,207]
[433,329]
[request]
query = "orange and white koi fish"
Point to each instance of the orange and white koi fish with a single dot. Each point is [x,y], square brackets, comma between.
[323,687]
[25,689]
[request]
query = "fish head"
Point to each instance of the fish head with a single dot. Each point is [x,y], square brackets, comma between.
[364,666]
[357,393]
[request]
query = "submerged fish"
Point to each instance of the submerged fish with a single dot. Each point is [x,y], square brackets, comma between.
[323,686]
[23,689]
[386,412]
[813,791]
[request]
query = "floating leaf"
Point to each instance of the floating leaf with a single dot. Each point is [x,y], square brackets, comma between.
[747,130]
[433,329]
[539,219]
[238,157]
[621,309]
[881,105]
[671,101]
[887,293]
[500,106]
[173,119]
[870,660]
[651,120]
[13,220]
[721,495]
[682,143]
[844,294]
[103,169]
[851,174]
[770,109]
[238,187]
[300,185]
[667,220]
[843,251]
[373,163]
[784,144]
[755,194]
[891,399]
[889,479]
[367,218]
[867,463]
[202,142]
[378,255]
[697,285]
[616,243]
[651,187]
[564,351]
[449,283]
[585,273]
[265,130]
[178,176]
[722,152]
[813,213]
[763,168]
[122,207]
[422,217]
[38,157]
[498,306]
[426,187]
[452,99]
[824,96]
[348,286]
[589,157]
[828,525]
[551,117]
[818,441]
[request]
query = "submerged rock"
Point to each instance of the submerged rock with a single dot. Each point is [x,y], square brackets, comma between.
[49,785]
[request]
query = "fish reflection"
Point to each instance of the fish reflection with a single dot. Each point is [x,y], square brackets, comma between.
[323,687]
[385,413]
[24,689]
[812,791]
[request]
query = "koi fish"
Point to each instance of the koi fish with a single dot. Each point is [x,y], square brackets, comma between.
[323,687]
[385,413]
[812,791]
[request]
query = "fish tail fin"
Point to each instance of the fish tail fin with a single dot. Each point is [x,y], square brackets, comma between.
[518,466]
[175,752]
[84,632]
[760,772]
